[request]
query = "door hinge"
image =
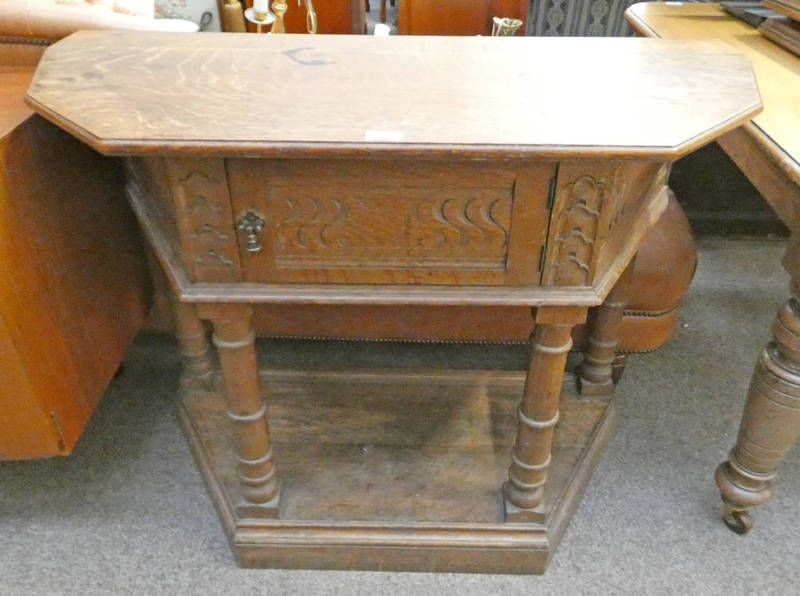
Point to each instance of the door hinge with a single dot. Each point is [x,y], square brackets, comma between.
[551,191]
[541,259]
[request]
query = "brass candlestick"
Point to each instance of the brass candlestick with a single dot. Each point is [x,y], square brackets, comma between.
[259,18]
[275,17]
[279,7]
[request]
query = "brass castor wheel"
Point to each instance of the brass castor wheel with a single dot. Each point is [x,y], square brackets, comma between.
[738,520]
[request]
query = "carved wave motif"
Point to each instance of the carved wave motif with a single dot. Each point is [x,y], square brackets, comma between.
[574,255]
[196,176]
[212,246]
[209,229]
[381,227]
[199,203]
[454,223]
[312,223]
[213,254]
[578,221]
[327,234]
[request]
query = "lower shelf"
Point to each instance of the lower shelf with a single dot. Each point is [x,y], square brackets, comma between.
[393,470]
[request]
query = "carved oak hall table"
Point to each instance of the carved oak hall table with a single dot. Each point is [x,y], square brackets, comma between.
[401,170]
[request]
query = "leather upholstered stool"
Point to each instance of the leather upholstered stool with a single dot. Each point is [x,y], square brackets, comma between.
[662,273]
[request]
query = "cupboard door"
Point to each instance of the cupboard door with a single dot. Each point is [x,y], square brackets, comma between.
[384,222]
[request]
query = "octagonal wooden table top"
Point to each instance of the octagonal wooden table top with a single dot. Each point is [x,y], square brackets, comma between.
[130,92]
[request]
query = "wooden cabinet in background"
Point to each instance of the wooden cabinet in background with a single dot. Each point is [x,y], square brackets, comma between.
[456,17]
[333,16]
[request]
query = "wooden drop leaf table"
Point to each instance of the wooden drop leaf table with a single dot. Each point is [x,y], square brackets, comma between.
[401,170]
[767,151]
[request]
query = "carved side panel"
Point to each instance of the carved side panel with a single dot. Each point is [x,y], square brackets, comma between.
[601,213]
[637,189]
[582,192]
[203,211]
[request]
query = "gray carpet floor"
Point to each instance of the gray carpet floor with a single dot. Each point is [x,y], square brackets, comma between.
[128,511]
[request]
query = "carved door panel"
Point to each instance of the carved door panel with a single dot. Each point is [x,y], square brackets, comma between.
[390,222]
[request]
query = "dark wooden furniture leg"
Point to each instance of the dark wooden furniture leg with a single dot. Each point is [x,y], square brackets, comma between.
[198,365]
[383,11]
[770,422]
[235,341]
[192,335]
[551,341]
[601,367]
[618,367]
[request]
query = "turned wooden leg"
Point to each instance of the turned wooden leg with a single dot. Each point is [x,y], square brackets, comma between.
[618,367]
[551,341]
[192,335]
[595,375]
[383,11]
[235,341]
[198,365]
[770,422]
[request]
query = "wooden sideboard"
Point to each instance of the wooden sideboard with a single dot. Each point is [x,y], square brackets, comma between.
[286,170]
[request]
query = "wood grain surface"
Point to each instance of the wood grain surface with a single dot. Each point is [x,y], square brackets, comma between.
[396,470]
[295,95]
[777,70]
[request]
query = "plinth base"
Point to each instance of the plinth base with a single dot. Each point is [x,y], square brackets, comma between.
[391,470]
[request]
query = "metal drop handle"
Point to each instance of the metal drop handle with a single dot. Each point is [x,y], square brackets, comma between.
[251,223]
